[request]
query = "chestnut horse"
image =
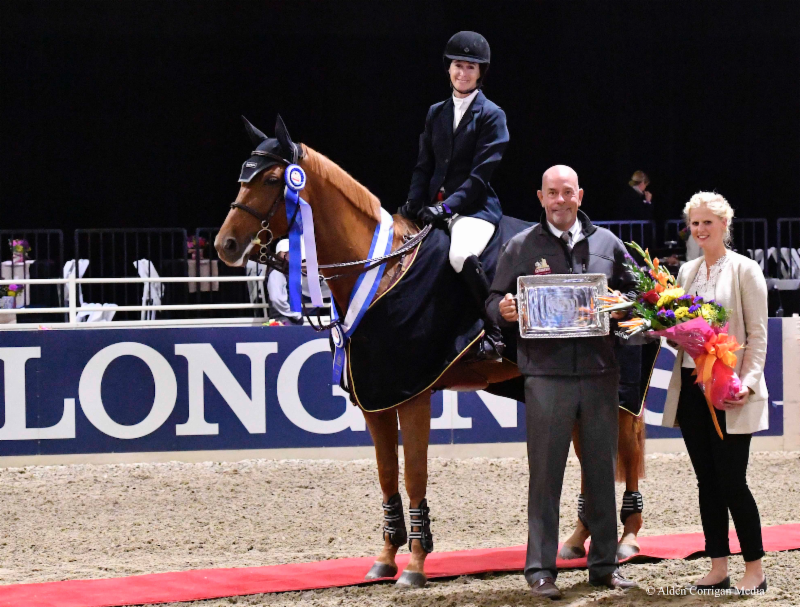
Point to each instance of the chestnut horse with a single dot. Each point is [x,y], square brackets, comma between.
[345,217]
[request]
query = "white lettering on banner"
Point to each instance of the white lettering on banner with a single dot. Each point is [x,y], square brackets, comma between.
[203,360]
[89,390]
[450,419]
[15,428]
[503,409]
[292,406]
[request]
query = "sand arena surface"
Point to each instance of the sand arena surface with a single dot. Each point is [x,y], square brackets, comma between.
[92,521]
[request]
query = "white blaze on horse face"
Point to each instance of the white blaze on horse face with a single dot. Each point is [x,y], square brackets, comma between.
[245,255]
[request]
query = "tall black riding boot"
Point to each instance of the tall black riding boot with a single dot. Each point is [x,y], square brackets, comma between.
[491,348]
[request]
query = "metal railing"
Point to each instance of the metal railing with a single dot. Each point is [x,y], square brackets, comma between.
[749,236]
[113,253]
[672,230]
[641,232]
[44,260]
[788,250]
[207,263]
[74,307]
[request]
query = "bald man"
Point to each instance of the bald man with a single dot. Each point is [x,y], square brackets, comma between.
[567,381]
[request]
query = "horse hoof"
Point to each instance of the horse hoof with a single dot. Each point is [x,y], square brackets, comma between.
[569,553]
[380,571]
[626,551]
[411,579]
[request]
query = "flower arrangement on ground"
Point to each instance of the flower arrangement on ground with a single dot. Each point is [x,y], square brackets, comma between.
[700,327]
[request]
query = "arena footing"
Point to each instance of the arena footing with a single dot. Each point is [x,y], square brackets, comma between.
[202,584]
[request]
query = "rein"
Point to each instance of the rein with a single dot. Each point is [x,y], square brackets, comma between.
[265,257]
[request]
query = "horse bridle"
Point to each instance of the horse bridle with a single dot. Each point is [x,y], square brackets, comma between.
[266,258]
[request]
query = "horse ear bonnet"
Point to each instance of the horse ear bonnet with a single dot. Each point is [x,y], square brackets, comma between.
[256,164]
[282,133]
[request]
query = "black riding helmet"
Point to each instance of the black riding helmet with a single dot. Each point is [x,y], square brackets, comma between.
[468,46]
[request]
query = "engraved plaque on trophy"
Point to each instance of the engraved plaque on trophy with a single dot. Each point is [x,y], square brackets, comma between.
[561,305]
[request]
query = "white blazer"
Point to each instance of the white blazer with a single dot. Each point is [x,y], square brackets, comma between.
[741,288]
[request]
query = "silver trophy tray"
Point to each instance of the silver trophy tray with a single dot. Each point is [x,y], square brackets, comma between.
[561,305]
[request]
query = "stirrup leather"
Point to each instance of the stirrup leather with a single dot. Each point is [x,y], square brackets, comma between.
[394,524]
[419,518]
[632,503]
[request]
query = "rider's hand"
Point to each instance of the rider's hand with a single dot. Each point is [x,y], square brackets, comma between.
[508,308]
[407,211]
[434,214]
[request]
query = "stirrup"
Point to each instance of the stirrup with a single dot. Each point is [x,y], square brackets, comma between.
[394,524]
[418,517]
[582,511]
[632,503]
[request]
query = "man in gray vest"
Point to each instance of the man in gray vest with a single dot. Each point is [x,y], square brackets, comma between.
[568,381]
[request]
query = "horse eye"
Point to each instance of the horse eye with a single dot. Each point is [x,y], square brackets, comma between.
[272,180]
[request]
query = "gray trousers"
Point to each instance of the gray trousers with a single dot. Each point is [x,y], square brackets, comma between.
[553,404]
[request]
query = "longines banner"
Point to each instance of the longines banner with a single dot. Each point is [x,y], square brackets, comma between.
[141,390]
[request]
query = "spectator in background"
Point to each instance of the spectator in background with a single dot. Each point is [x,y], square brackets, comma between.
[278,291]
[636,202]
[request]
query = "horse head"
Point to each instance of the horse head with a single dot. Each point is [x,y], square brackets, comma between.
[256,213]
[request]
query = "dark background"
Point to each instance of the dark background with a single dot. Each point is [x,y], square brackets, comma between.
[126,113]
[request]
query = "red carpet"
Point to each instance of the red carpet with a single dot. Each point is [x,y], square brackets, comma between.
[216,583]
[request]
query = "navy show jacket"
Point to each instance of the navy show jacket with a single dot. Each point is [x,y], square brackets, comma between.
[461,161]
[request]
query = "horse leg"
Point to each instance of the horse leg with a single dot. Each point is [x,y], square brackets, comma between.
[415,424]
[630,468]
[574,546]
[383,429]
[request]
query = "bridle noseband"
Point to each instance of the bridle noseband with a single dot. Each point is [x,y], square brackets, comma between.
[264,256]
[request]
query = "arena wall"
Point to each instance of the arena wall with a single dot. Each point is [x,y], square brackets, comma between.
[232,393]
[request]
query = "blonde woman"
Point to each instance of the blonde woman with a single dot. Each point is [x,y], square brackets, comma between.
[737,283]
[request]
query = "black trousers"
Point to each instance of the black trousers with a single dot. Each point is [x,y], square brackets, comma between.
[721,469]
[552,406]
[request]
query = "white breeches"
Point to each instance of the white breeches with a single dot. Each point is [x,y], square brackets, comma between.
[468,236]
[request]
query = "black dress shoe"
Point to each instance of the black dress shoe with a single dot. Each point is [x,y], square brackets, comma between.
[760,589]
[613,580]
[723,585]
[546,588]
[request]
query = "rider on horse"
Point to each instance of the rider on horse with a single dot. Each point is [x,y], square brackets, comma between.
[462,144]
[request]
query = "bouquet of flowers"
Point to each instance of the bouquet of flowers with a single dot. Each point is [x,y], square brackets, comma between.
[19,250]
[10,292]
[194,244]
[699,327]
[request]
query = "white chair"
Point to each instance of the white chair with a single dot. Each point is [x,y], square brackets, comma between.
[153,291]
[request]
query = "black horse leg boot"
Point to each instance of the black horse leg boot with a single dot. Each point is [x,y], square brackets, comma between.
[420,522]
[492,346]
[394,527]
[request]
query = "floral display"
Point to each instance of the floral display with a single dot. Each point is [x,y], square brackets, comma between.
[19,249]
[11,290]
[697,326]
[194,244]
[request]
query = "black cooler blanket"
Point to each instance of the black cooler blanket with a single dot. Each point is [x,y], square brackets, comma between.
[413,333]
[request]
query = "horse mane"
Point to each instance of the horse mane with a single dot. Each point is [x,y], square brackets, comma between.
[348,186]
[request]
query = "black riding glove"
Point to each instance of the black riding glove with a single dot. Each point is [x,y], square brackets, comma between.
[407,211]
[437,213]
